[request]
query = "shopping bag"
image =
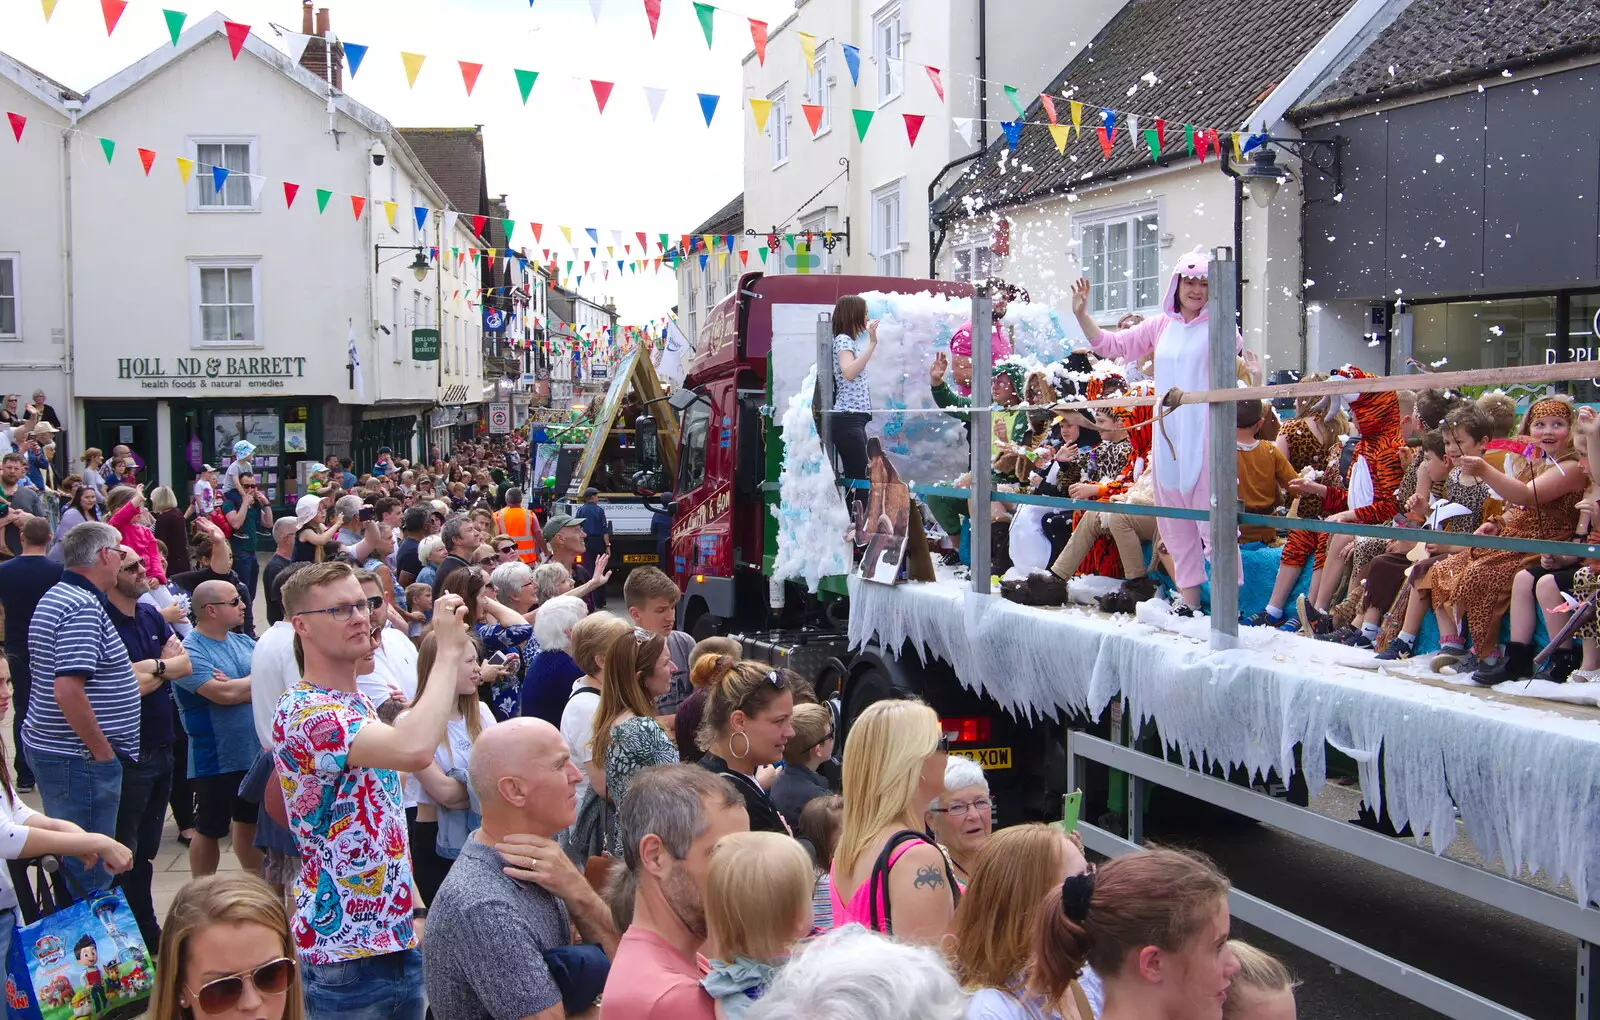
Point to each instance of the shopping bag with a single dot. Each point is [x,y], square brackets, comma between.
[83,960]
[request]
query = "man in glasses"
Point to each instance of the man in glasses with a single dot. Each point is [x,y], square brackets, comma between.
[337,764]
[248,514]
[214,704]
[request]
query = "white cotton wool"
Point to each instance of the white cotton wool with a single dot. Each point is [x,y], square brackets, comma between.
[812,520]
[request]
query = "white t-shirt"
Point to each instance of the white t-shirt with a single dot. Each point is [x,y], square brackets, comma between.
[394,669]
[272,671]
[14,815]
[205,497]
[577,727]
[456,751]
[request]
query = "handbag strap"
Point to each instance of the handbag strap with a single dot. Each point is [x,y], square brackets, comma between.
[45,891]
[879,876]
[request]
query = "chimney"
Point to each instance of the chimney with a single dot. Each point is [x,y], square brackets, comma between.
[315,58]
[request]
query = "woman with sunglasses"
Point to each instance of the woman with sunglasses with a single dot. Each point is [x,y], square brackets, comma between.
[225,952]
[499,629]
[748,721]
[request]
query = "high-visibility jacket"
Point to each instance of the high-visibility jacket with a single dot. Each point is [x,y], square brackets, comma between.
[523,527]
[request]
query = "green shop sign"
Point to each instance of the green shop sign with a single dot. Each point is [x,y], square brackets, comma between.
[424,345]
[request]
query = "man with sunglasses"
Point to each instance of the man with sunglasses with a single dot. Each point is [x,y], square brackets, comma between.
[248,514]
[214,704]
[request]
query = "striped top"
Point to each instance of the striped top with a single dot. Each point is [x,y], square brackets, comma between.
[71,634]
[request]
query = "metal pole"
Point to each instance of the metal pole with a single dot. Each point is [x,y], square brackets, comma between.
[825,358]
[981,427]
[1221,309]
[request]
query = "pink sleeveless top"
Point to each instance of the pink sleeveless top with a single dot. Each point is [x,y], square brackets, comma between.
[859,909]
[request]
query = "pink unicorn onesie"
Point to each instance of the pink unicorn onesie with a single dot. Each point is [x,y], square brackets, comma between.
[1180,338]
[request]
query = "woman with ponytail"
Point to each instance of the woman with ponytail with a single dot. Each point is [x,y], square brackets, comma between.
[627,738]
[1153,925]
[749,718]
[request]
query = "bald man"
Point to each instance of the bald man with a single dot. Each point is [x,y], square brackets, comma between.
[513,895]
[214,704]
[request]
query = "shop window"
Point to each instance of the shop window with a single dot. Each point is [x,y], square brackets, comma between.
[238,157]
[1457,335]
[1583,343]
[226,300]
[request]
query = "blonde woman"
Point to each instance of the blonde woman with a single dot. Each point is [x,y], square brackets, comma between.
[886,875]
[758,905]
[627,738]
[225,952]
[1263,989]
[92,460]
[171,526]
[445,801]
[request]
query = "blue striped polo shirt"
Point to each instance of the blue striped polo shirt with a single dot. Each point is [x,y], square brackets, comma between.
[71,635]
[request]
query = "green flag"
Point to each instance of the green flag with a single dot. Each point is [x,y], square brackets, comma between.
[763,250]
[1153,140]
[175,20]
[1188,138]
[863,121]
[108,147]
[663,242]
[525,80]
[322,199]
[704,13]
[1011,94]
[509,226]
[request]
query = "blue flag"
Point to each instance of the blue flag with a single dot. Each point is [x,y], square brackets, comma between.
[355,54]
[708,106]
[219,177]
[852,60]
[422,216]
[1013,130]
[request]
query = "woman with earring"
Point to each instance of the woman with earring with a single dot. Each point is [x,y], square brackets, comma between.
[225,952]
[748,720]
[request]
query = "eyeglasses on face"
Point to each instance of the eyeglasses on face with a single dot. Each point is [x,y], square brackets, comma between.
[237,600]
[507,550]
[959,810]
[271,978]
[132,568]
[342,613]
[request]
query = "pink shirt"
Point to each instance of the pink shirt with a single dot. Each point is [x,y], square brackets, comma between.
[651,980]
[140,539]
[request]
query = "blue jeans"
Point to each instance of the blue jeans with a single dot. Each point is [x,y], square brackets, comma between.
[248,568]
[85,792]
[387,987]
[145,787]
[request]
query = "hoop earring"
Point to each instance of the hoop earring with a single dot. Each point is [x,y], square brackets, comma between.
[737,754]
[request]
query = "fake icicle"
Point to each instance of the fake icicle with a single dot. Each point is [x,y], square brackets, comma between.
[812,520]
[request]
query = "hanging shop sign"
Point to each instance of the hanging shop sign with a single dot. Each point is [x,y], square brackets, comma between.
[424,345]
[212,374]
[494,320]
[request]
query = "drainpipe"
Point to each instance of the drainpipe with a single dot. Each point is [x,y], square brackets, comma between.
[936,238]
[74,109]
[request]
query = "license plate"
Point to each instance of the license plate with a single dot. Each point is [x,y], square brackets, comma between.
[988,757]
[639,558]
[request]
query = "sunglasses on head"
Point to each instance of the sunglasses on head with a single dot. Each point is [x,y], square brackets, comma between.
[271,978]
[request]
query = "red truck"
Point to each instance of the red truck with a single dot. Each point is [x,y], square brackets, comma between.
[724,536]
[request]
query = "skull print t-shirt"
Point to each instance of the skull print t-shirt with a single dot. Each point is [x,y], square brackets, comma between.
[353,894]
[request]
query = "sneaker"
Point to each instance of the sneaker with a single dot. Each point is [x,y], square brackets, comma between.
[25,786]
[1342,636]
[1358,640]
[1263,619]
[1398,649]
[1179,607]
[1313,621]
[1449,655]
[1290,625]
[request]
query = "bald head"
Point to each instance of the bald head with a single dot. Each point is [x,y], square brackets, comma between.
[218,607]
[524,778]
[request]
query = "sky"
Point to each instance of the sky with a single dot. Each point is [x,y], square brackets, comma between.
[557,159]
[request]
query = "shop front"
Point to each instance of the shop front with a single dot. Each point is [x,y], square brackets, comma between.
[383,428]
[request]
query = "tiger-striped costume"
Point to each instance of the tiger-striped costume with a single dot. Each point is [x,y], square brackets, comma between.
[1375,471]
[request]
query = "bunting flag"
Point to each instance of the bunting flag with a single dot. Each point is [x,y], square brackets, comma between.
[813,114]
[1133,129]
[704,13]
[1105,134]
[708,106]
[808,46]
[863,120]
[594,9]
[108,147]
[652,11]
[323,195]
[1075,109]
[236,36]
[744,256]
[1161,132]
[1013,130]
[1152,140]
[148,158]
[1238,152]
[567,233]
[1049,107]
[1059,133]
[1203,142]
[112,10]
[175,20]
[963,126]
[289,192]
[852,60]
[938,85]
[1016,104]
[49,9]
[413,62]
[594,234]
[219,177]
[508,226]
[602,92]
[762,251]
[421,215]
[354,54]
[758,35]
[469,74]
[653,97]
[185,168]
[761,109]
[389,209]
[478,224]
[525,80]
[297,45]
[913,126]
[538,228]
[357,203]
[18,122]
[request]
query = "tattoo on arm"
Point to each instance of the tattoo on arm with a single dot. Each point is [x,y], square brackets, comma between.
[928,876]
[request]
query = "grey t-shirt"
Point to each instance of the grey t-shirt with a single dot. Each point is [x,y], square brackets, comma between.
[481,916]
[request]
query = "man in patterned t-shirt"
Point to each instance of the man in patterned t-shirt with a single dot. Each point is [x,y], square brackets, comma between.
[338,766]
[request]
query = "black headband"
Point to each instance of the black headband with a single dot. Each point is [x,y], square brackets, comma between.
[1076,892]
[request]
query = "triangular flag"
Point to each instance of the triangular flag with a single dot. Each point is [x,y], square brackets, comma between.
[185,166]
[758,35]
[525,80]
[478,223]
[808,46]
[703,12]
[49,9]
[933,76]
[289,192]
[538,228]
[357,203]
[852,60]
[1153,141]
[789,239]
[594,234]
[1013,132]
[1189,140]
[963,126]
[567,233]
[354,54]
[421,214]
[236,36]
[148,158]
[1059,133]
[1238,151]
[602,92]
[18,122]
[112,9]
[1016,104]
[1161,132]
[1075,108]
[863,121]
[219,177]
[413,62]
[175,20]
[708,106]
[813,114]
[1133,128]
[642,242]
[389,209]
[704,258]
[1106,140]
[760,108]
[744,256]
[297,45]
[913,126]
[323,195]
[762,251]
[108,147]
[653,97]
[710,241]
[663,239]
[594,9]
[1049,106]
[652,10]
[469,74]
[508,226]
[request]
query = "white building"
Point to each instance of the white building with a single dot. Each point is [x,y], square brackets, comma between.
[700,288]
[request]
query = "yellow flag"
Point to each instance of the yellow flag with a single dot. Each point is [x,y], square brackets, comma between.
[567,233]
[611,252]
[722,259]
[413,62]
[808,46]
[389,211]
[710,240]
[49,8]
[761,108]
[1238,152]
[1077,117]
[185,168]
[1059,132]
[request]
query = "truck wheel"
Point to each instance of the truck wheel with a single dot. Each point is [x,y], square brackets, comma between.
[708,625]
[872,681]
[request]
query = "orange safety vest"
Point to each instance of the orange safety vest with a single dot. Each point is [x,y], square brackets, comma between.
[523,527]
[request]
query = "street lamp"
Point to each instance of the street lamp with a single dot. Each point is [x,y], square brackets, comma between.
[419,265]
[1264,175]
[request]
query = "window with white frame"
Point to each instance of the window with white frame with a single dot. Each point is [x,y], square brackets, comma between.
[427,312]
[710,275]
[778,126]
[887,29]
[10,302]
[888,229]
[973,263]
[411,214]
[1121,256]
[819,87]
[394,319]
[730,271]
[691,319]
[816,226]
[238,157]
[226,296]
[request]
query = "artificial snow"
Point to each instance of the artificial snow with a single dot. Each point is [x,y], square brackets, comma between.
[812,520]
[1524,779]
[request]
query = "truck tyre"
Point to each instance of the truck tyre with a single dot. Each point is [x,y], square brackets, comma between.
[708,625]
[873,677]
